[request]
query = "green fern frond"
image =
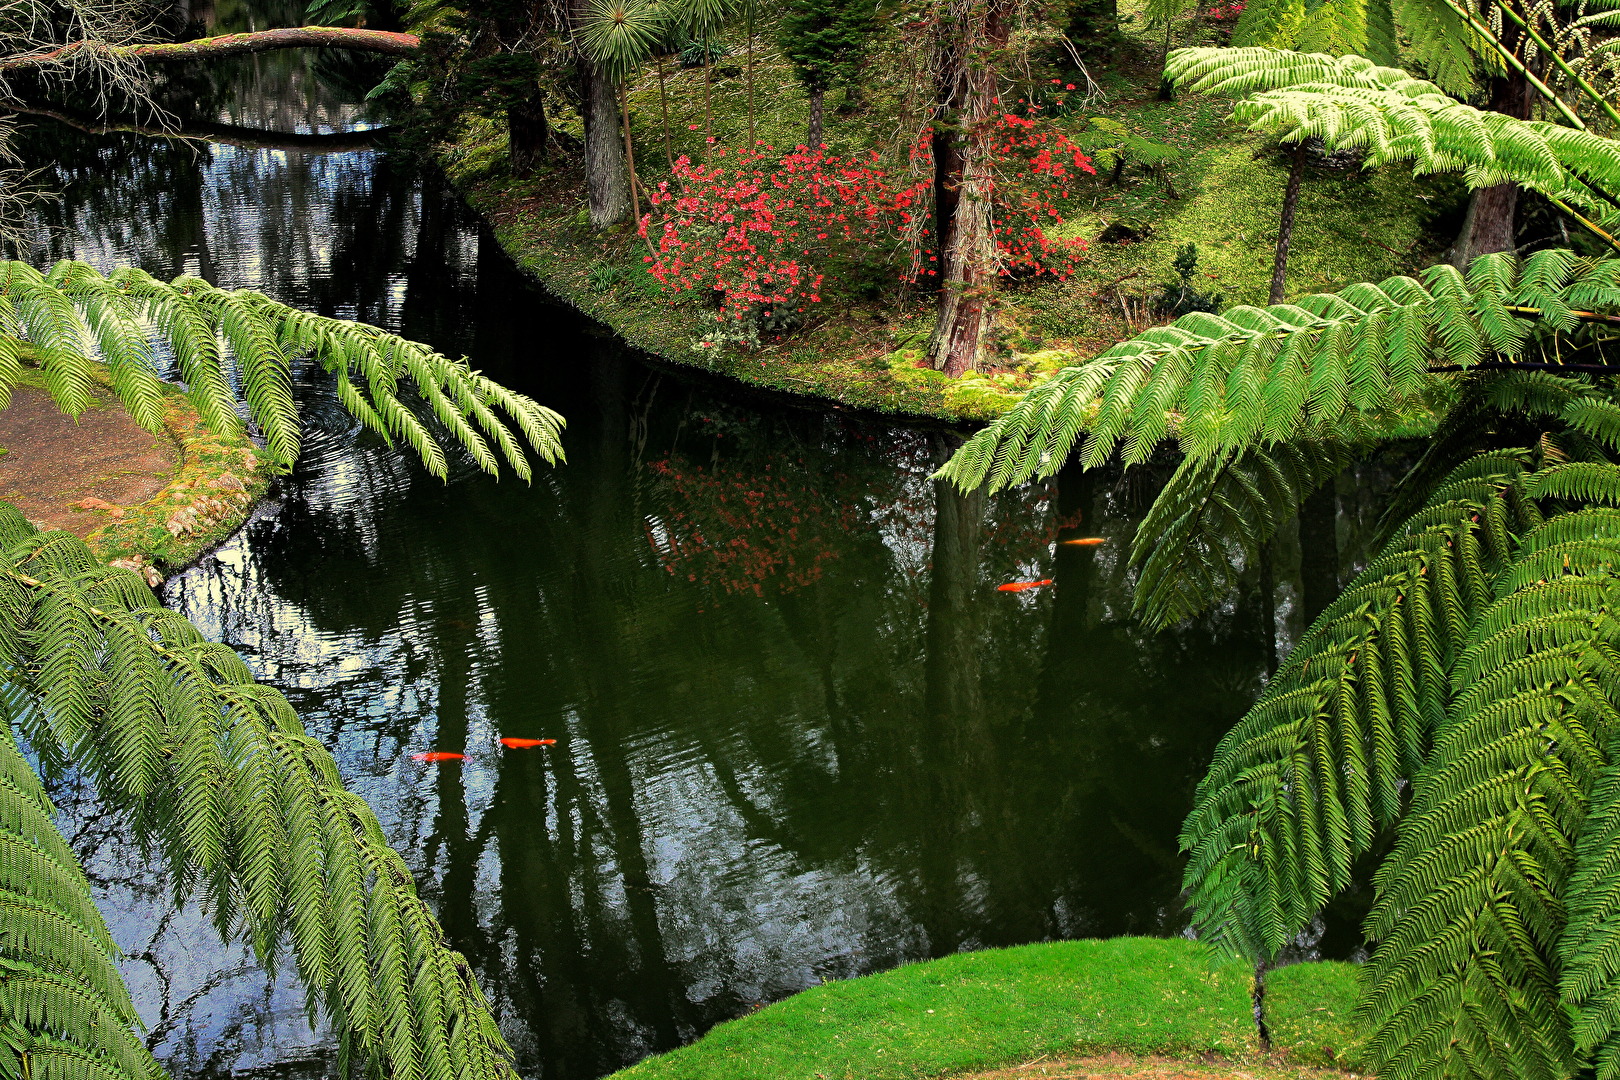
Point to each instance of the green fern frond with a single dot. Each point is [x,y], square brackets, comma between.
[1210,521]
[1333,365]
[1301,785]
[1470,908]
[1238,72]
[74,316]
[59,980]
[243,805]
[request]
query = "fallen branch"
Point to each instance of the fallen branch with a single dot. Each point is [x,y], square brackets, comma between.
[297,37]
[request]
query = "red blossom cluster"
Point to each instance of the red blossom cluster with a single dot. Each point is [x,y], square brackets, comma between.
[762,230]
[1035,164]
[1227,11]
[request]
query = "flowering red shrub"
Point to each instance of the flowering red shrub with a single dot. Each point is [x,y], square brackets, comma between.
[763,231]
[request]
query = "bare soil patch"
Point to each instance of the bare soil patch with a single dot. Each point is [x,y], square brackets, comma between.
[1152,1067]
[53,463]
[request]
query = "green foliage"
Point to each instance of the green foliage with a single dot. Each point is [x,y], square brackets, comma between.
[1351,104]
[220,778]
[216,335]
[1440,38]
[620,35]
[1182,297]
[1339,364]
[827,40]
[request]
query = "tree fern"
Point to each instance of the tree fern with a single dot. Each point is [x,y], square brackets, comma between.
[1352,104]
[1340,365]
[1299,788]
[1470,913]
[244,806]
[72,317]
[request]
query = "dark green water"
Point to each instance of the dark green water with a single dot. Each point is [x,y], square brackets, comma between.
[800,736]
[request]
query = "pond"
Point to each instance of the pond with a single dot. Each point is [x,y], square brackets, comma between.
[800,735]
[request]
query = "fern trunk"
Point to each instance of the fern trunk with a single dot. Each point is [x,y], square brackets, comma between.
[607,183]
[972,31]
[1318,552]
[1285,226]
[1489,223]
[952,677]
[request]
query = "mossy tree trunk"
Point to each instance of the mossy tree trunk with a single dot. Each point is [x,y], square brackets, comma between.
[812,136]
[971,34]
[607,180]
[528,132]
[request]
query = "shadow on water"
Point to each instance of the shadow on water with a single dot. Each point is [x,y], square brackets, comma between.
[800,735]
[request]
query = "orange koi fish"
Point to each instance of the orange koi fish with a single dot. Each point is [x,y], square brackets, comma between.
[437,756]
[1020,586]
[525,744]
[1086,541]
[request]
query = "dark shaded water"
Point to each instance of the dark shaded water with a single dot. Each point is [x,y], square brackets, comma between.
[800,735]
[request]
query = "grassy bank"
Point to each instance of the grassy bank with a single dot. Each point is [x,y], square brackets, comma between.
[983,1010]
[1222,193]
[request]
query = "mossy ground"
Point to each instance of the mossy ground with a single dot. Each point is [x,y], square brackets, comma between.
[210,489]
[1224,196]
[1135,998]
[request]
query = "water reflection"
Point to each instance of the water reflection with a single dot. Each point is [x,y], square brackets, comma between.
[800,735]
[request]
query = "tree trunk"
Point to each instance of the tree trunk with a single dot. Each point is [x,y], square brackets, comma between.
[812,138]
[971,32]
[751,139]
[1285,226]
[607,183]
[1489,224]
[528,134]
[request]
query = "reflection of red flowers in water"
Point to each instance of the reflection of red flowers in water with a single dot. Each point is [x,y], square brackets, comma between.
[739,528]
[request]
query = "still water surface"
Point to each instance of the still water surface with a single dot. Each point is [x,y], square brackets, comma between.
[800,736]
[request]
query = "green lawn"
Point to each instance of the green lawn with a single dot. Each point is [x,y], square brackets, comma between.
[985,1009]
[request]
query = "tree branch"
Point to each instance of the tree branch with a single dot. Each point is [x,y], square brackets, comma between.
[299,37]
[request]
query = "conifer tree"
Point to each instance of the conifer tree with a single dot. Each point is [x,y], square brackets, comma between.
[826,41]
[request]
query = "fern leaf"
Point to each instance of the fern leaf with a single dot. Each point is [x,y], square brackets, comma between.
[73,317]
[1326,366]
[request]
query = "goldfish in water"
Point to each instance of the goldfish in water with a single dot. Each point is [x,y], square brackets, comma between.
[1086,541]
[437,756]
[1020,586]
[524,744]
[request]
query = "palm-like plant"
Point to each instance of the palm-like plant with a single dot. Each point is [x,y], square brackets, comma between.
[214,769]
[1462,694]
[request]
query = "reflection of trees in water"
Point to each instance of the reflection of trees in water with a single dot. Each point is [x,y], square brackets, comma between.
[335,233]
